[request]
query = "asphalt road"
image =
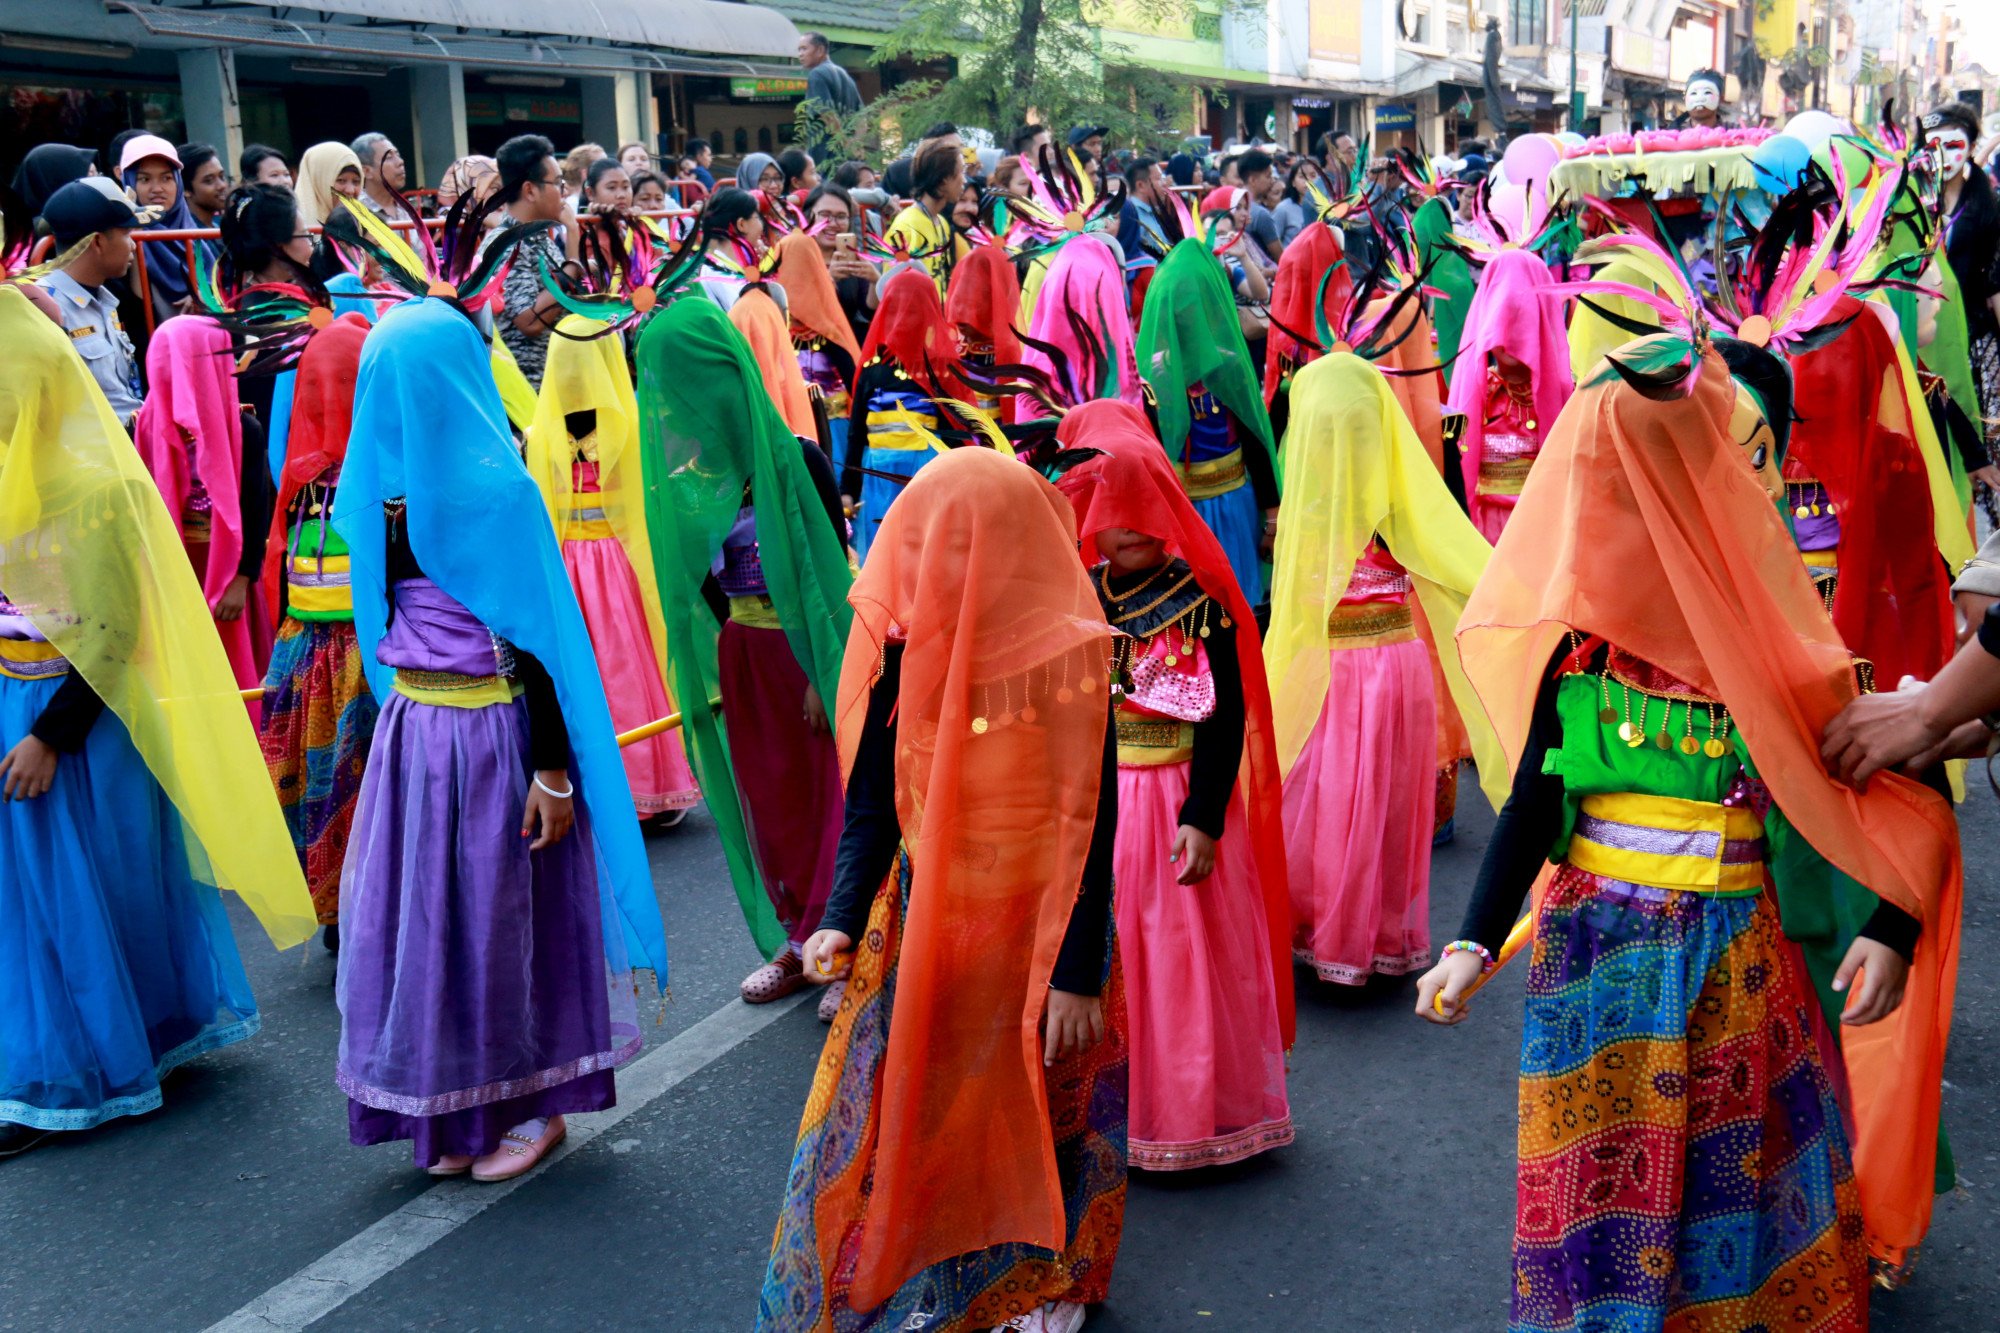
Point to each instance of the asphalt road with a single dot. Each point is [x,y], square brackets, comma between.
[1392,1212]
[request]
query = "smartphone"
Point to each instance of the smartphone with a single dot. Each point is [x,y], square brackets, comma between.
[843,240]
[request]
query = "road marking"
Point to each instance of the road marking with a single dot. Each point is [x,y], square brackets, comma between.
[330,1281]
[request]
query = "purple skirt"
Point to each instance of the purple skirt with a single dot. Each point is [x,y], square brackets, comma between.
[475,992]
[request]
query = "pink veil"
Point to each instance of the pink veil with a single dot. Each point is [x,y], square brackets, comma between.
[1509,313]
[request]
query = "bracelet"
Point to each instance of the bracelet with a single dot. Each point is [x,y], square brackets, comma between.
[565,795]
[1469,946]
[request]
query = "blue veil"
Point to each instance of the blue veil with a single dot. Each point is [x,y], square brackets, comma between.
[429,429]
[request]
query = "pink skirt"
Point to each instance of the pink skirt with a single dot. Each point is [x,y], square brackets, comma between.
[1359,815]
[247,640]
[608,591]
[1208,1065]
[1490,514]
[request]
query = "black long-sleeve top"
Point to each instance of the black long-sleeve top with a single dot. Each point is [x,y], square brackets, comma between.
[874,378]
[1218,738]
[66,719]
[548,733]
[1954,426]
[1532,819]
[872,831]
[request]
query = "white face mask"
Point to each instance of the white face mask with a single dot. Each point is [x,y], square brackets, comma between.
[1703,96]
[1951,149]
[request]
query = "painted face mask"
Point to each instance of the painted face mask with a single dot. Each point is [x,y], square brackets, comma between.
[1702,95]
[1749,427]
[1950,148]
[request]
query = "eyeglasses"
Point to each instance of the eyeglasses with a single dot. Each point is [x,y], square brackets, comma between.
[834,219]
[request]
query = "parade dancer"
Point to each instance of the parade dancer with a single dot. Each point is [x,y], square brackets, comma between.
[319,714]
[1204,918]
[747,531]
[961,1163]
[583,451]
[1351,682]
[1511,378]
[496,900]
[129,770]
[1210,410]
[1660,670]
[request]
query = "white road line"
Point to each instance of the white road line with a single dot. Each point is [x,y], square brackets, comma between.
[327,1283]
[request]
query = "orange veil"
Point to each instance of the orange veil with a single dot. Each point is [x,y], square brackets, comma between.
[810,293]
[757,317]
[1000,739]
[1643,523]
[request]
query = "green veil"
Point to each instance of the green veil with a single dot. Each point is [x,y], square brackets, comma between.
[708,429]
[1188,334]
[1449,273]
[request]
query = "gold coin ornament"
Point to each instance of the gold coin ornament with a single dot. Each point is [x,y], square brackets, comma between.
[1173,660]
[979,725]
[1714,748]
[1088,684]
[1662,741]
[1064,695]
[1628,733]
[1027,715]
[1607,715]
[1689,745]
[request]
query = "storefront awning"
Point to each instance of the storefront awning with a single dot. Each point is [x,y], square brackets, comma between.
[692,36]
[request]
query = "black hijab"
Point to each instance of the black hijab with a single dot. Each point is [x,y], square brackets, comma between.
[47,168]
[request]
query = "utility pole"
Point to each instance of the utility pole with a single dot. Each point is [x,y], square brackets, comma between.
[1575,95]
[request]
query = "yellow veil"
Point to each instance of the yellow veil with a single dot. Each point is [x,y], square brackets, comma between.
[590,375]
[516,394]
[1354,468]
[89,553]
[1954,538]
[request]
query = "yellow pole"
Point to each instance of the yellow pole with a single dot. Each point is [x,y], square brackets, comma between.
[1517,939]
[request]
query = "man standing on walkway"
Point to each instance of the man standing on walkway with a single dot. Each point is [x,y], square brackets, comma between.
[382,170]
[830,91]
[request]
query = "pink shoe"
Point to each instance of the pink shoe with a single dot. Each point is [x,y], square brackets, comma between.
[519,1152]
[775,980]
[451,1164]
[829,1003]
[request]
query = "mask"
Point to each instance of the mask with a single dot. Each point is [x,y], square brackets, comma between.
[1748,428]
[1950,148]
[1702,96]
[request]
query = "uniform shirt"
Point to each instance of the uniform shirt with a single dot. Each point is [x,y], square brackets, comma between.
[90,316]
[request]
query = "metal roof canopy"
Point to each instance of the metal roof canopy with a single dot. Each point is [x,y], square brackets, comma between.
[574,36]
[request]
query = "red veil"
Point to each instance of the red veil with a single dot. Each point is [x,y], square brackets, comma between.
[985,298]
[1134,486]
[322,415]
[1306,261]
[910,329]
[1892,603]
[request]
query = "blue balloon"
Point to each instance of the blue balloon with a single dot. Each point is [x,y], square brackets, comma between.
[1779,162]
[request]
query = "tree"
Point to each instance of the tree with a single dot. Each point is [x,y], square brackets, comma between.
[1049,61]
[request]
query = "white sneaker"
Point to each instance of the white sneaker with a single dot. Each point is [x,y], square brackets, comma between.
[1054,1317]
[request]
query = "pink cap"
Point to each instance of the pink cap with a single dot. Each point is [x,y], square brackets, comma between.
[144,146]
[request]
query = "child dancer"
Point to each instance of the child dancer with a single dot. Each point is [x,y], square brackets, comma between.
[1204,919]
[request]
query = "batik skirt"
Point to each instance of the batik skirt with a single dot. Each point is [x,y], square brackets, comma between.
[1683,1162]
[319,719]
[1086,1106]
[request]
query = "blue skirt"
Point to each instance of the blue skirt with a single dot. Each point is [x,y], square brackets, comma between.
[116,963]
[878,493]
[1238,524]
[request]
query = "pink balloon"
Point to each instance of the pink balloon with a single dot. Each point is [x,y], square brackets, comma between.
[1508,203]
[1531,158]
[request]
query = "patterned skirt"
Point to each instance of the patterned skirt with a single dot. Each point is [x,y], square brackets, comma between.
[1683,1162]
[836,1144]
[318,721]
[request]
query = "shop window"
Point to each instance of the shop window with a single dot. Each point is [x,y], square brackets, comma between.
[764,139]
[742,140]
[1527,22]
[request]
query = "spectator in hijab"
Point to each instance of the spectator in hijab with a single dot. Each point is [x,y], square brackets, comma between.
[47,168]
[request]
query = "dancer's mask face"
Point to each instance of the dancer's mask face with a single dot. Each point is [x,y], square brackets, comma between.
[1950,148]
[1749,428]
